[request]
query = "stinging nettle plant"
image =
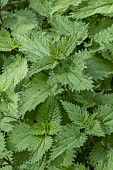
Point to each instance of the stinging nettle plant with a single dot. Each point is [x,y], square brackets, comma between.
[56,85]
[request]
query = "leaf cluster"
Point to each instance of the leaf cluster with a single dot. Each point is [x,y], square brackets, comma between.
[56,85]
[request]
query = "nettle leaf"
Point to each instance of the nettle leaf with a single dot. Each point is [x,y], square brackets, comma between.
[79,81]
[104,99]
[77,115]
[42,64]
[103,23]
[80,167]
[105,164]
[9,104]
[94,127]
[33,166]
[48,8]
[48,119]
[100,123]
[56,85]
[6,42]
[13,73]
[41,7]
[80,117]
[98,153]
[86,98]
[104,115]
[61,6]
[35,47]
[38,92]
[37,95]
[99,69]
[21,21]
[94,7]
[25,20]
[7,19]
[100,37]
[68,158]
[65,159]
[68,43]
[6,124]
[39,146]
[65,26]
[72,73]
[4,153]
[67,138]
[20,139]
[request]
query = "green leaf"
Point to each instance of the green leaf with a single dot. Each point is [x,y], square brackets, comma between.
[39,146]
[61,6]
[104,99]
[41,7]
[6,124]
[37,92]
[9,104]
[13,73]
[7,168]
[25,20]
[77,115]
[74,79]
[94,7]
[72,73]
[68,43]
[48,118]
[99,68]
[35,47]
[21,21]
[94,127]
[86,98]
[98,153]
[65,159]
[62,25]
[99,25]
[55,168]
[20,158]
[67,138]
[6,42]
[20,138]
[32,166]
[104,114]
[79,81]
[3,2]
[106,164]
[68,158]
[101,39]
[80,167]
[56,85]
[42,64]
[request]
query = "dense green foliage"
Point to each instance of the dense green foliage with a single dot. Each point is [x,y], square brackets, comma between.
[56,85]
